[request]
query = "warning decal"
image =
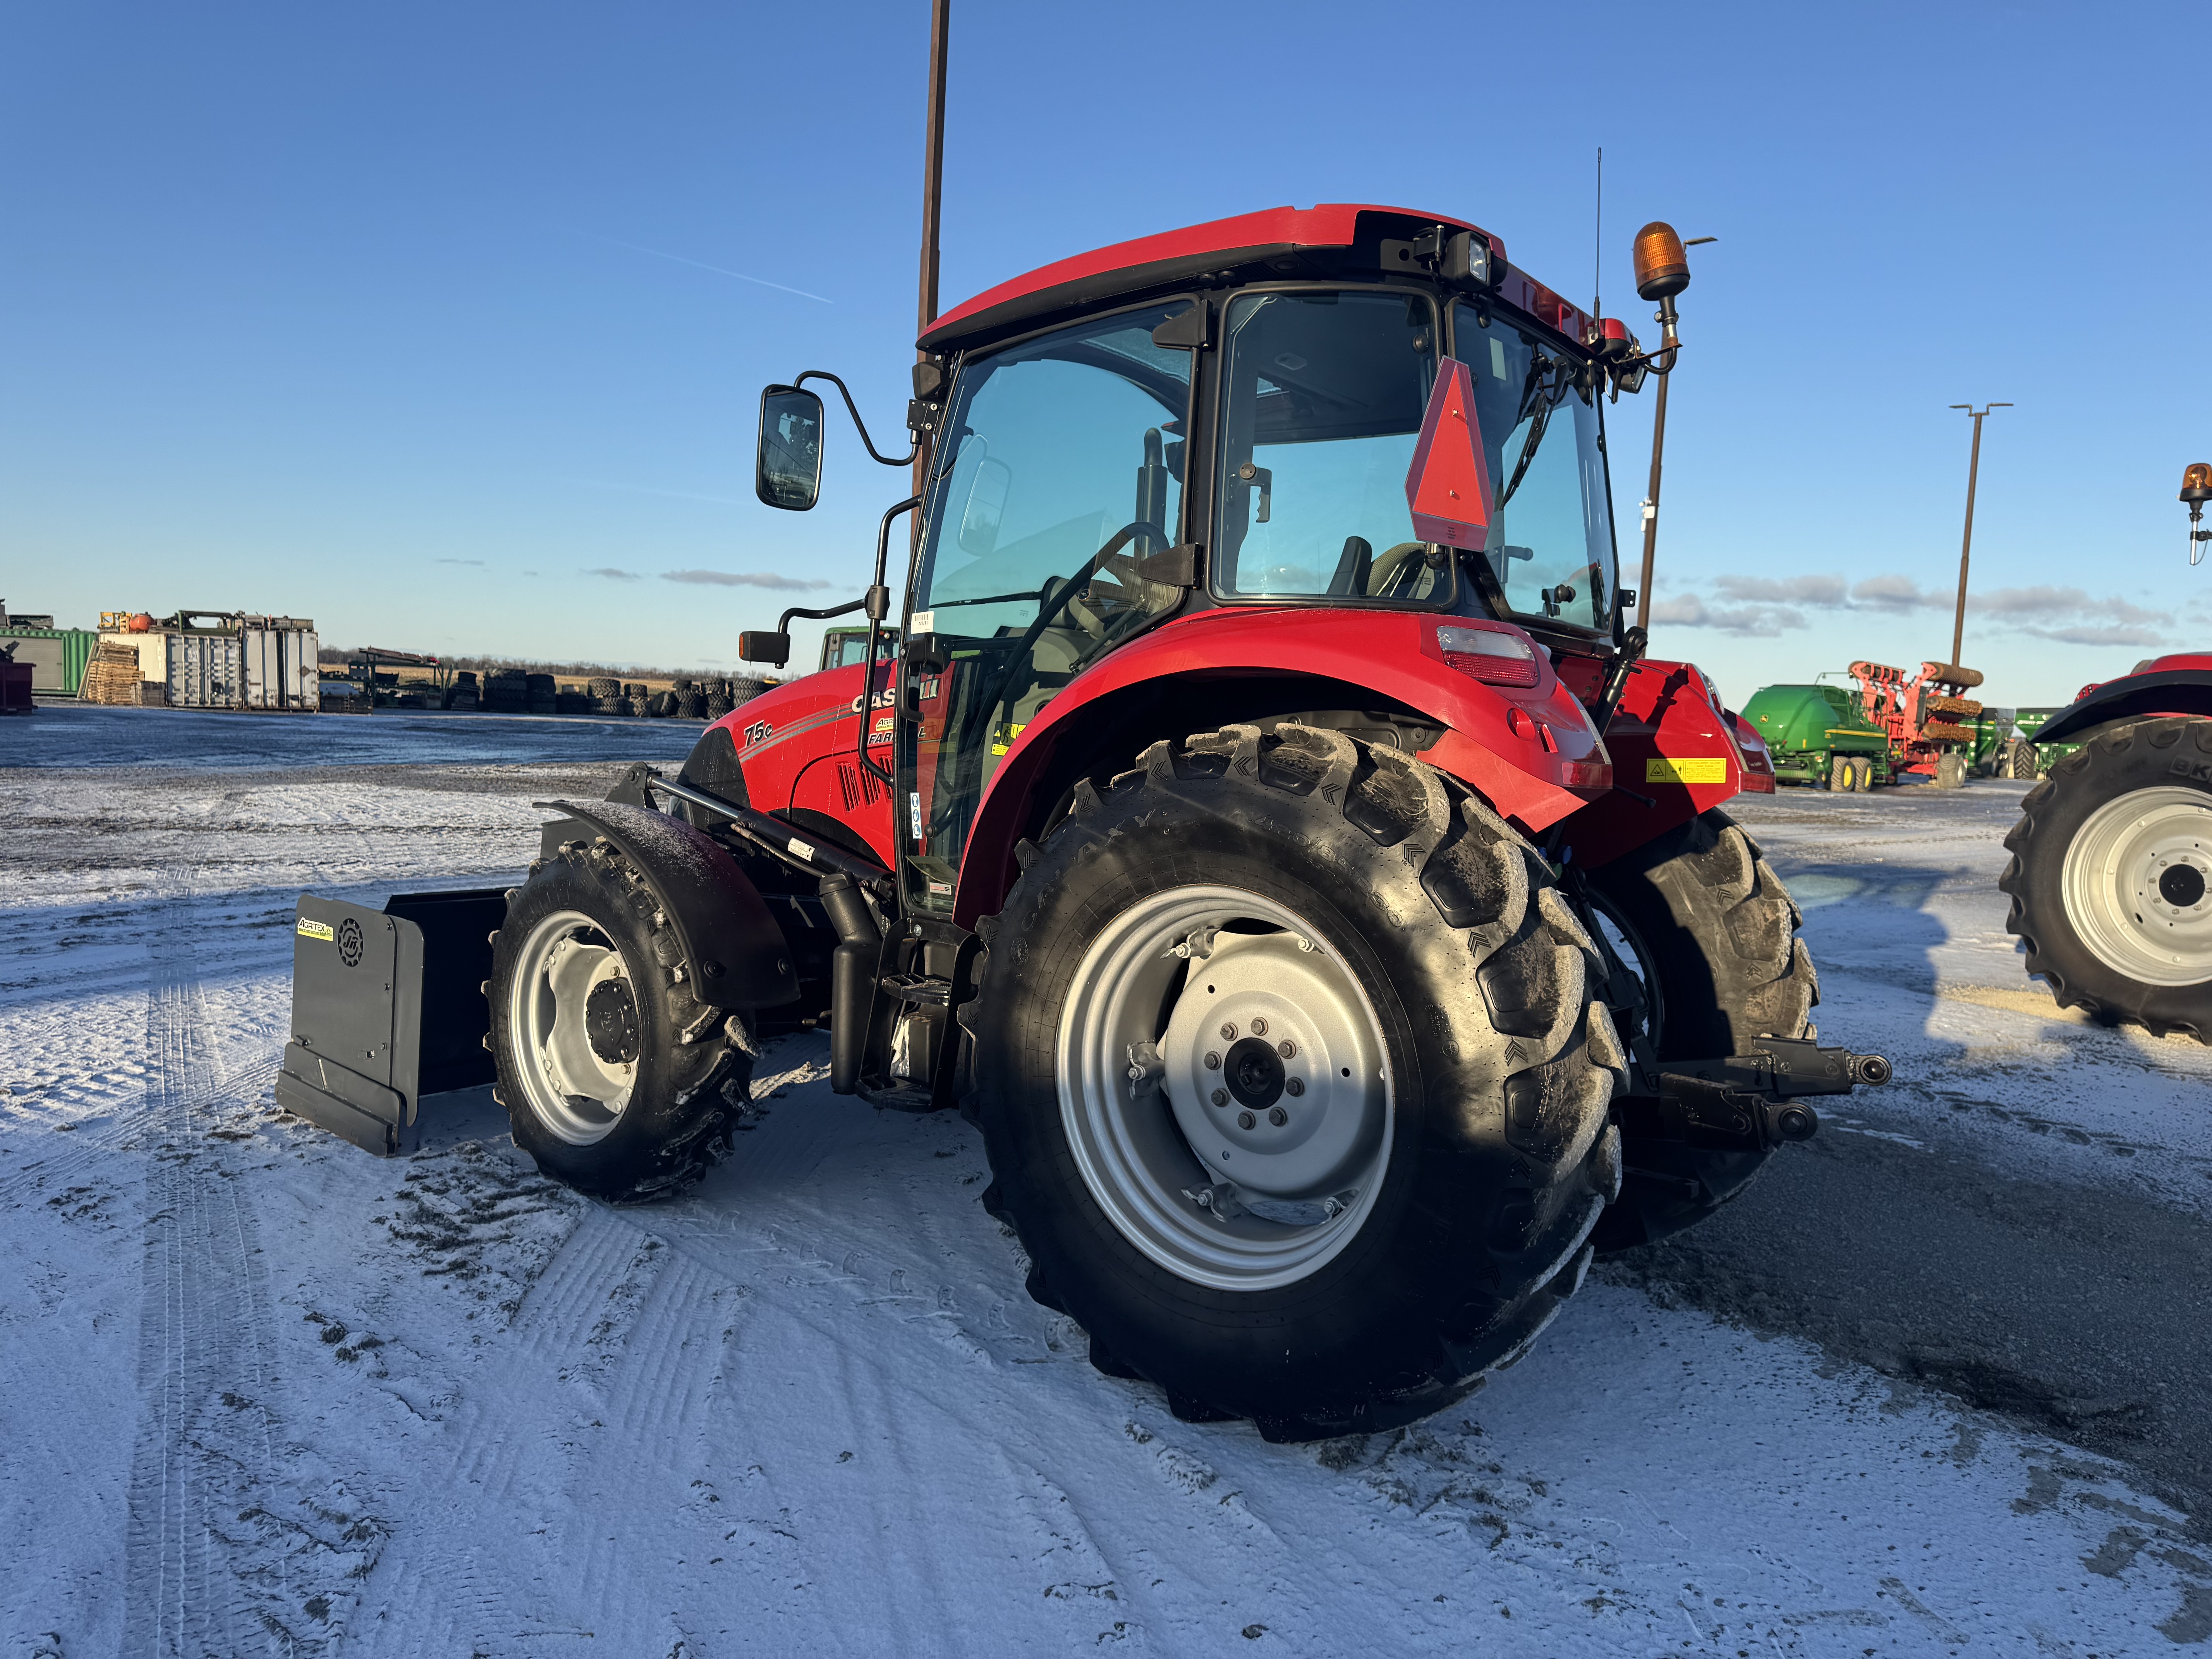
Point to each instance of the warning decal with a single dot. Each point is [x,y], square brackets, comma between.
[320,930]
[1688,769]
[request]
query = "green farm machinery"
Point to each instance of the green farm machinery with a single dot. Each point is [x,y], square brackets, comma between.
[1818,735]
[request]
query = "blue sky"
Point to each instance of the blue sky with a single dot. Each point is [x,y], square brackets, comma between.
[445,324]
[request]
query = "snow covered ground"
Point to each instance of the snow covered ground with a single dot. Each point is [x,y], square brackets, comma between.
[260,1393]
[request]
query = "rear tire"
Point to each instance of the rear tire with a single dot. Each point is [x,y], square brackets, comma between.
[1384,917]
[2110,877]
[1950,769]
[1842,773]
[615,1080]
[1862,774]
[1711,933]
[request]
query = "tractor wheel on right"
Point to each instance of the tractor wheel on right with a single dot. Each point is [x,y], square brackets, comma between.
[1293,1082]
[1862,774]
[1842,774]
[1705,924]
[2110,877]
[1950,769]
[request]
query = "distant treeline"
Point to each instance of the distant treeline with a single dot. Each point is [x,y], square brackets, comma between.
[333,655]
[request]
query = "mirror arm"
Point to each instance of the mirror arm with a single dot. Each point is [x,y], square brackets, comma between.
[853,409]
[783,626]
[877,604]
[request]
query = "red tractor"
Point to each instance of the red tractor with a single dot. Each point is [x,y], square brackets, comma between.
[1267,834]
[2111,876]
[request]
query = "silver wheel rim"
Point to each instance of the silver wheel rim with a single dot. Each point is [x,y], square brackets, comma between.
[1263,1189]
[576,1092]
[2138,884]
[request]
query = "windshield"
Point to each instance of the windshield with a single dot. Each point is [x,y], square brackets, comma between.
[1551,530]
[1321,407]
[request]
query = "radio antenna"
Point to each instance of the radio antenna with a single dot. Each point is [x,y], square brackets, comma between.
[1597,256]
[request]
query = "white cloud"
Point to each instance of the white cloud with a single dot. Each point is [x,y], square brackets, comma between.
[741,579]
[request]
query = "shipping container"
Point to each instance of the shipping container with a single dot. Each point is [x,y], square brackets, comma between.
[57,655]
[280,664]
[206,671]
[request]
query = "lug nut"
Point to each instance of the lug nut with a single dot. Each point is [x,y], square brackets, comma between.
[1213,1063]
[1228,1032]
[1245,1120]
[1278,1117]
[1259,1027]
[1286,1048]
[1294,1086]
[1220,1095]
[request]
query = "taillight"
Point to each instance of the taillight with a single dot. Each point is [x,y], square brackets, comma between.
[1587,775]
[1489,654]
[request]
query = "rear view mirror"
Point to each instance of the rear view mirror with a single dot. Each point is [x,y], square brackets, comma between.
[788,472]
[774,649]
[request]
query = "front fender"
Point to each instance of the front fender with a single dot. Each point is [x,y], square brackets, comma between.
[734,954]
[1530,751]
[2137,697]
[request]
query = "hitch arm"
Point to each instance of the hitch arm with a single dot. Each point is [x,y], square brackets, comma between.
[1746,1101]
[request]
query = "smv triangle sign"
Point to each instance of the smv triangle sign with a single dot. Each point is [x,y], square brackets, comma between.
[1448,486]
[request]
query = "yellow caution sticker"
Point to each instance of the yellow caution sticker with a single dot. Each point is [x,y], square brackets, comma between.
[320,930]
[1687,769]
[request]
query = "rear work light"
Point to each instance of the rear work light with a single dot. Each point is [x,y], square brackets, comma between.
[1489,654]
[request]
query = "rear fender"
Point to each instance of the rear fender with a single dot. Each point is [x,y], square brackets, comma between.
[2180,691]
[734,954]
[1515,746]
[1674,756]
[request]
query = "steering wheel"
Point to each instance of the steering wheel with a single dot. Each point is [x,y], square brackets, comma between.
[1389,563]
[1023,662]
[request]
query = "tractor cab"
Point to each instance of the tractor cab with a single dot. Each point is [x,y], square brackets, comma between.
[1233,422]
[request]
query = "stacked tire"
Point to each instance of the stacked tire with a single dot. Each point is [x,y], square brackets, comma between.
[660,705]
[462,695]
[541,692]
[606,694]
[507,692]
[572,702]
[745,688]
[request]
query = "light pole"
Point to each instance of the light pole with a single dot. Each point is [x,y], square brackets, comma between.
[1966,547]
[933,188]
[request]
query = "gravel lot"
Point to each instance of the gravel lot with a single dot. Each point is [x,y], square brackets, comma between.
[1938,1382]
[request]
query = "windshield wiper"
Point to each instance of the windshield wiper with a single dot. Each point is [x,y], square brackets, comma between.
[1546,398]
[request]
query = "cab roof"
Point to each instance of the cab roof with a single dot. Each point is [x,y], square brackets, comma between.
[1332,239]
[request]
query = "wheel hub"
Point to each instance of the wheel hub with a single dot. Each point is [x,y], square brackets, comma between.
[1241,1146]
[1253,1072]
[2138,884]
[610,1021]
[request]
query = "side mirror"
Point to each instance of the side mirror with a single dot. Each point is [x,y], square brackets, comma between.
[774,649]
[788,471]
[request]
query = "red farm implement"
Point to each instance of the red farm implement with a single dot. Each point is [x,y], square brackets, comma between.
[1927,717]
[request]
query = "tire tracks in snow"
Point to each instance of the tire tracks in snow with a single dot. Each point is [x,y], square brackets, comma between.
[233,1545]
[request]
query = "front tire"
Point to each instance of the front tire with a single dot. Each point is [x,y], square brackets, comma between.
[2110,877]
[615,1080]
[1358,1253]
[1710,931]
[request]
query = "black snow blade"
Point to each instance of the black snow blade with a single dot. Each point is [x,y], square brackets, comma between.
[387,1006]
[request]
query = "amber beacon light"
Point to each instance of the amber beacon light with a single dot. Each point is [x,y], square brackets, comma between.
[1662,269]
[2196,489]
